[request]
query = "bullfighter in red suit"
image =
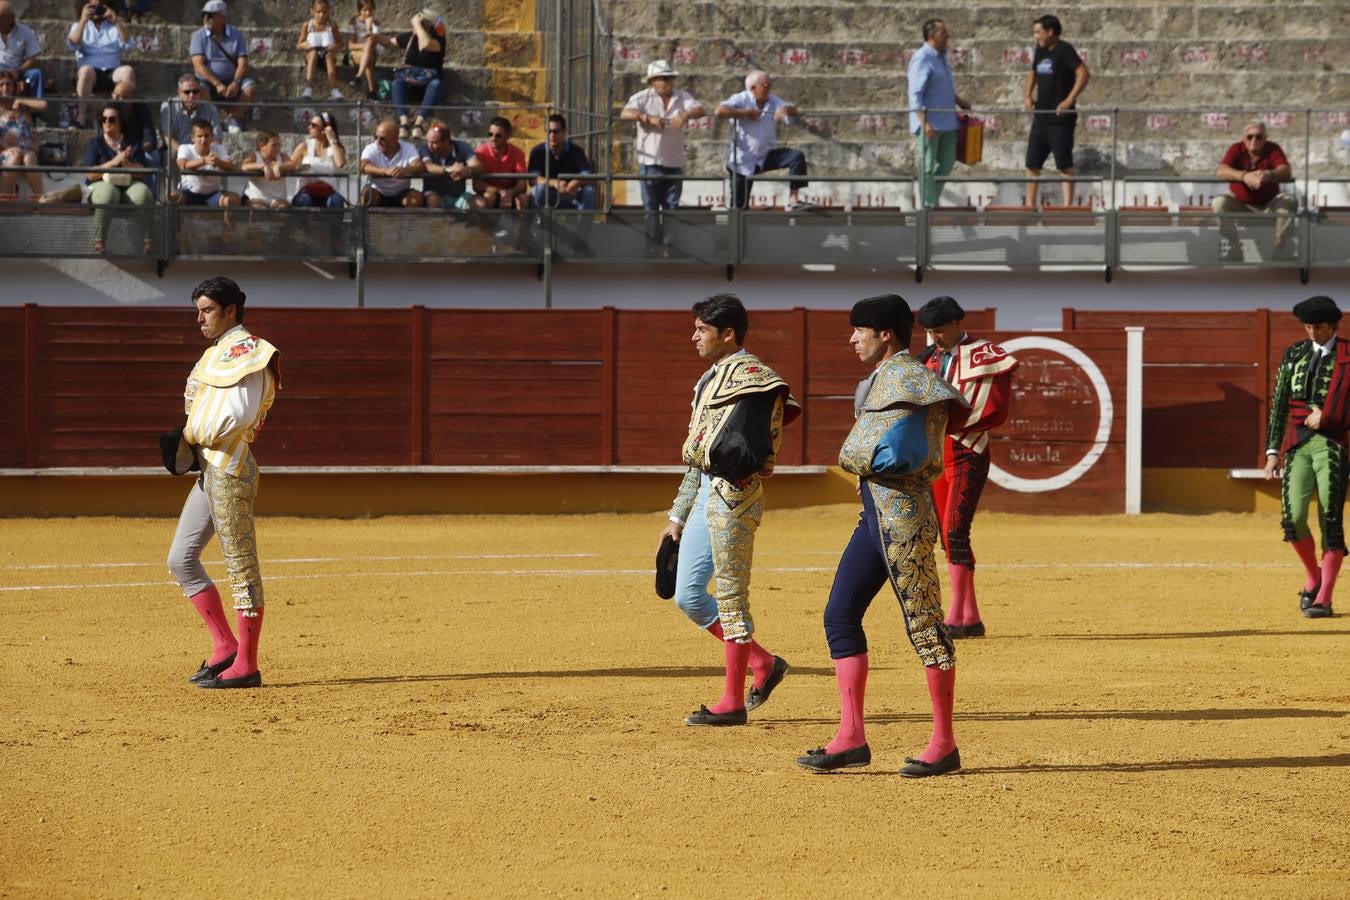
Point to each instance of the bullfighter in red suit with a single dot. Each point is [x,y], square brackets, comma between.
[982,372]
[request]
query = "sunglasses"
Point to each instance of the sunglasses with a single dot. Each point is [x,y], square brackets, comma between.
[316,124]
[189,90]
[111,119]
[1253,137]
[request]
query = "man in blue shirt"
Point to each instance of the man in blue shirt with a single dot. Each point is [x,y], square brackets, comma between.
[933,102]
[219,54]
[754,132]
[559,155]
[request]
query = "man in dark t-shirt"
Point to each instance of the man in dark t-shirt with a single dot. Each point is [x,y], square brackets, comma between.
[449,165]
[1058,75]
[556,156]
[1255,167]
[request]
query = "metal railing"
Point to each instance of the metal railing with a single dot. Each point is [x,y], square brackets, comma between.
[980,220]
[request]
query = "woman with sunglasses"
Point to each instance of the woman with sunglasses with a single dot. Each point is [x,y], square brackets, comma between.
[321,155]
[16,135]
[113,149]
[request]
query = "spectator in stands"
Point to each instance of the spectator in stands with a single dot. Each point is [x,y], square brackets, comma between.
[19,49]
[321,157]
[422,70]
[220,58]
[113,148]
[16,135]
[498,156]
[661,112]
[559,156]
[321,40]
[138,124]
[933,102]
[204,155]
[754,137]
[391,164]
[267,187]
[364,51]
[1256,167]
[448,164]
[99,38]
[177,115]
[1057,78]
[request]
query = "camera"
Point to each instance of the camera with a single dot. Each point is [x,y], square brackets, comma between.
[327,118]
[100,11]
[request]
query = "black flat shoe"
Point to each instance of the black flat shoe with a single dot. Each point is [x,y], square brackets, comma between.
[1317,611]
[1306,598]
[818,760]
[759,695]
[205,673]
[705,716]
[917,768]
[955,631]
[976,630]
[243,681]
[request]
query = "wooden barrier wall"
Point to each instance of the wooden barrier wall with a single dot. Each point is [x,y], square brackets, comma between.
[1208,377]
[416,386]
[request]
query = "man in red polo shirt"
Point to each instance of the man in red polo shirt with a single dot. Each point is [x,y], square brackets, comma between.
[499,156]
[1255,168]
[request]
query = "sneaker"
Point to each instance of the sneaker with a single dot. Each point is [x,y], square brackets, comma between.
[232,125]
[417,133]
[307,93]
[1232,252]
[335,94]
[800,206]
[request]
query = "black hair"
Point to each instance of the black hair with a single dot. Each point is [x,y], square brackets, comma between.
[929,27]
[1051,24]
[199,122]
[502,122]
[224,291]
[723,311]
[558,118]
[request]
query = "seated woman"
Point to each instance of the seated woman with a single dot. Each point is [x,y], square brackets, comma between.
[268,168]
[113,149]
[322,154]
[16,135]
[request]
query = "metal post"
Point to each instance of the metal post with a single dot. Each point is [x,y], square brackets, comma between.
[1134,418]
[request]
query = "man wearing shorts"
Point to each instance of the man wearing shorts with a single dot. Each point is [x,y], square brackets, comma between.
[1057,77]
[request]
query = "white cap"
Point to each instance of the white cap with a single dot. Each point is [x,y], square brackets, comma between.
[214,6]
[660,69]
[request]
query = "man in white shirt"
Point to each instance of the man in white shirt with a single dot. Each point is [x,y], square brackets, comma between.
[19,49]
[754,134]
[661,112]
[201,163]
[391,165]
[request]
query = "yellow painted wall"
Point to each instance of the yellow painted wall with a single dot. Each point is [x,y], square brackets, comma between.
[352,495]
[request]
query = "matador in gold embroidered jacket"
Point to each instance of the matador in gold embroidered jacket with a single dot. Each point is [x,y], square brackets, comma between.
[740,409]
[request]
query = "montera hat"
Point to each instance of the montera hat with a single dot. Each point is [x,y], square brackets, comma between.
[660,69]
[887,312]
[1317,310]
[667,560]
[177,454]
[940,311]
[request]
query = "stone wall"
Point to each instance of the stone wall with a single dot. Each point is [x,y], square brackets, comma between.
[844,62]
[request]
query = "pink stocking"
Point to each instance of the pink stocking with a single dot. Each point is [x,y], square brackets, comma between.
[1307,554]
[941,691]
[1331,567]
[208,606]
[733,694]
[851,674]
[246,659]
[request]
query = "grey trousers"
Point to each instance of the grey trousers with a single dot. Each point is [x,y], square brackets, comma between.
[194,531]
[223,504]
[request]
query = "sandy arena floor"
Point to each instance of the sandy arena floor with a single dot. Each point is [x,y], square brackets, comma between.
[492,705]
